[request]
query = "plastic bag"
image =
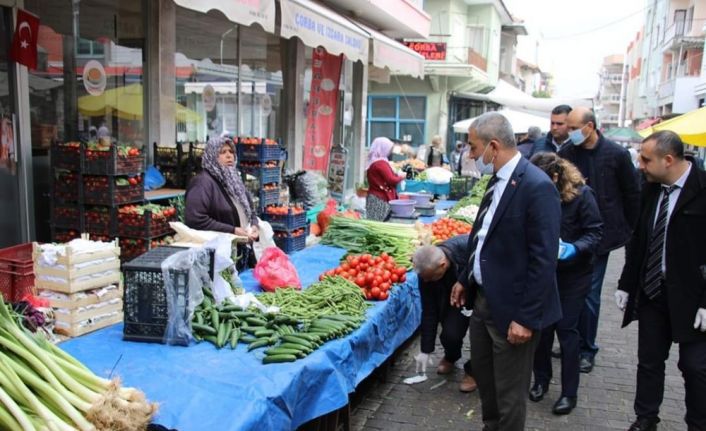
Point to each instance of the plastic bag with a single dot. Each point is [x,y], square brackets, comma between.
[438,175]
[154,179]
[223,259]
[310,188]
[274,269]
[265,240]
[324,217]
[185,274]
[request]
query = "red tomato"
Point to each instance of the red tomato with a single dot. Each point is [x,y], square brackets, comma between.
[385,287]
[369,278]
[345,267]
[376,281]
[386,275]
[355,262]
[384,255]
[360,280]
[400,271]
[368,295]
[394,278]
[375,292]
[367,257]
[403,278]
[331,272]
[338,270]
[383,296]
[352,272]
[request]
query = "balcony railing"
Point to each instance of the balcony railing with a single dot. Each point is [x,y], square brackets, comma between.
[478,60]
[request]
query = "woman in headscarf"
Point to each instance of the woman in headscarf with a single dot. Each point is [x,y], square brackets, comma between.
[217,200]
[382,181]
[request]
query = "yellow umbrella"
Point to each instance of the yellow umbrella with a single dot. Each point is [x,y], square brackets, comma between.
[126,103]
[691,127]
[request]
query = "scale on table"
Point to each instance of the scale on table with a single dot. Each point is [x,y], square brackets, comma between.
[427,210]
[411,219]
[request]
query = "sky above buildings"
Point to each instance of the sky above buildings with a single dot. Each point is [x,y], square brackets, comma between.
[569,38]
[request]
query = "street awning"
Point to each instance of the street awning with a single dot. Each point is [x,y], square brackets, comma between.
[245,12]
[520,121]
[317,26]
[393,55]
[689,126]
[647,123]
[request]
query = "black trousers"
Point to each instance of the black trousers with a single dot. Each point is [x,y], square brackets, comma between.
[453,330]
[502,371]
[654,342]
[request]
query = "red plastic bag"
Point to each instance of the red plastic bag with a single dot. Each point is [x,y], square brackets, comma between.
[274,270]
[324,217]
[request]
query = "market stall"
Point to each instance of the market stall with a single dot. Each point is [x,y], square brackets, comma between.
[242,393]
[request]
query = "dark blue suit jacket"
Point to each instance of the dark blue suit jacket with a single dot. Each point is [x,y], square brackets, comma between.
[519,255]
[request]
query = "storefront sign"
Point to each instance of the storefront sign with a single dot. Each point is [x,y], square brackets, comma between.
[316,25]
[321,112]
[94,78]
[243,12]
[208,96]
[430,50]
[337,172]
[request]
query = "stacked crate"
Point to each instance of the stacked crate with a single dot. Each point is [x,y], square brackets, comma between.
[262,158]
[290,226]
[16,272]
[173,163]
[84,288]
[97,191]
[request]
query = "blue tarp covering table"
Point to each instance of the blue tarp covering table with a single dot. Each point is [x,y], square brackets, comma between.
[201,388]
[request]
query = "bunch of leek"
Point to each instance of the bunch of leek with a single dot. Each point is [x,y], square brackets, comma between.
[44,388]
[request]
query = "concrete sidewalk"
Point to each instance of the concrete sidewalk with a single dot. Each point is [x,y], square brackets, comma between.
[605,396]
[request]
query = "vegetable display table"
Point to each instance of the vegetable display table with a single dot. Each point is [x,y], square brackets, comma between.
[199,387]
[159,194]
[414,186]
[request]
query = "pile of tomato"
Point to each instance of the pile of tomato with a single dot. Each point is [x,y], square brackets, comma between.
[446,228]
[291,209]
[375,275]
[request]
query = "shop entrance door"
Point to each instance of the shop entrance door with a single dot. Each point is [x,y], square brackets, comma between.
[10,223]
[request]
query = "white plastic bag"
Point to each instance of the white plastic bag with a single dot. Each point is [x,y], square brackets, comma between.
[265,240]
[223,247]
[438,175]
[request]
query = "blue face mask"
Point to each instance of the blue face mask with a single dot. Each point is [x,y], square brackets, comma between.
[577,137]
[484,168]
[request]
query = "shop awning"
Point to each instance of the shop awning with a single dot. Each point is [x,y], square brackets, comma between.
[647,123]
[317,26]
[245,12]
[520,121]
[689,126]
[391,54]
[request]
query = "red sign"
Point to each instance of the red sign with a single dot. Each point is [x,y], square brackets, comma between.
[321,112]
[430,50]
[24,41]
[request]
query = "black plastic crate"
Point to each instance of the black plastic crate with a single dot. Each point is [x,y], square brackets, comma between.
[104,190]
[460,187]
[265,151]
[66,156]
[265,175]
[67,215]
[170,156]
[174,177]
[288,222]
[195,155]
[112,162]
[101,220]
[67,186]
[145,297]
[292,241]
[146,225]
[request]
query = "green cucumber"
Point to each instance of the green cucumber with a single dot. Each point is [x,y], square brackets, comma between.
[275,359]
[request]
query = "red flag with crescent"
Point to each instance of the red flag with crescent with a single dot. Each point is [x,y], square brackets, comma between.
[24,41]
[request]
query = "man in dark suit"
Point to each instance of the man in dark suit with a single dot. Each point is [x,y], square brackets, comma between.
[608,170]
[663,284]
[510,276]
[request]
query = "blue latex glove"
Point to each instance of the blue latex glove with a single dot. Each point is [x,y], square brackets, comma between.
[569,251]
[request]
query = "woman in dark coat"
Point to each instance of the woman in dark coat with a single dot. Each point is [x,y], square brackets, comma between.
[217,200]
[581,231]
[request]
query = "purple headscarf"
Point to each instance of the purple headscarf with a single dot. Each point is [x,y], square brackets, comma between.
[228,177]
[379,150]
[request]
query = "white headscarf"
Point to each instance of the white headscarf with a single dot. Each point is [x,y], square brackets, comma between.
[379,150]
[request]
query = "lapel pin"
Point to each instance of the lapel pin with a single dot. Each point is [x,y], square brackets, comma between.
[513,183]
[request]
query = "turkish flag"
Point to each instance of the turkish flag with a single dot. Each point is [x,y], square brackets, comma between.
[24,41]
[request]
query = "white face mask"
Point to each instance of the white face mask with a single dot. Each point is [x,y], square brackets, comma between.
[485,168]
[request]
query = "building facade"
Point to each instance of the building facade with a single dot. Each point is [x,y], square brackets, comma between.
[608,99]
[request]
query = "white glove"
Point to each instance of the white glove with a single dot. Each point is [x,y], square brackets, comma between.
[466,311]
[422,360]
[700,321]
[621,299]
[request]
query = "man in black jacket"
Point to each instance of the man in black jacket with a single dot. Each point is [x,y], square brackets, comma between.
[608,170]
[558,132]
[663,284]
[438,268]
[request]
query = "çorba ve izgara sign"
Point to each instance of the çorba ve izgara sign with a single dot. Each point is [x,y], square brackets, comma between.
[430,50]
[316,26]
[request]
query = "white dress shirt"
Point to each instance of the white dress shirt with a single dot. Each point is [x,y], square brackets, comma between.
[503,175]
[673,198]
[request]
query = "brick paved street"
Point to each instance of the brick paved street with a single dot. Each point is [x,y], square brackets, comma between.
[605,396]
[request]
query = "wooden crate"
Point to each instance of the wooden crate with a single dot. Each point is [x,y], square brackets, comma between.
[76,330]
[72,265]
[73,316]
[82,299]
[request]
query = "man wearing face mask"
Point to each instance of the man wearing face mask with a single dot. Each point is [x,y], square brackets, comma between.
[510,277]
[609,171]
[558,133]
